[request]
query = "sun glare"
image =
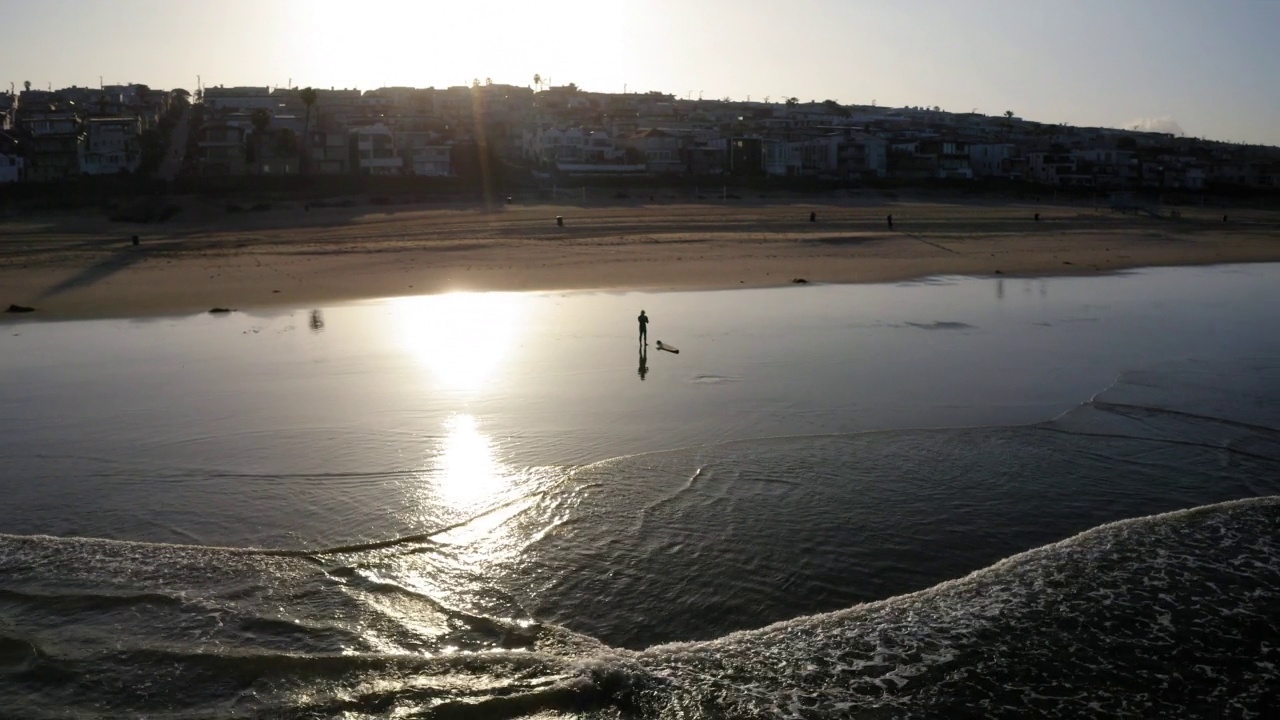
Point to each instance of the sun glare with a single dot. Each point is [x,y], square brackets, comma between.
[462,338]
[420,44]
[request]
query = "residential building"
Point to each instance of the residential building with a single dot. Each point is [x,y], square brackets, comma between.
[8,104]
[1266,175]
[1231,173]
[240,99]
[424,153]
[374,152]
[600,147]
[950,158]
[276,152]
[12,164]
[329,152]
[335,109]
[743,155]
[112,146]
[862,155]
[909,161]
[575,146]
[222,150]
[991,160]
[812,157]
[1111,169]
[1050,168]
[56,141]
[703,157]
[658,149]
[431,160]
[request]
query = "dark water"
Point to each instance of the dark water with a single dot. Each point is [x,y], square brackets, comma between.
[192,551]
[557,601]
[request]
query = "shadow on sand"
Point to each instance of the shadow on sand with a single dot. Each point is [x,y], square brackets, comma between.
[118,261]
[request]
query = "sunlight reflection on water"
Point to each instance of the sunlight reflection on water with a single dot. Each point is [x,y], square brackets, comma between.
[463,338]
[467,471]
[412,415]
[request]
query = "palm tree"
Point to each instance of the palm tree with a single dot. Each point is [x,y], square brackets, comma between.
[1008,114]
[261,119]
[26,85]
[309,97]
[792,101]
[537,81]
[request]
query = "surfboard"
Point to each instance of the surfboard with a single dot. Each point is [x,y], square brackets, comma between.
[668,348]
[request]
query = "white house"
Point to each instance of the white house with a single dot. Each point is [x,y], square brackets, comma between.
[112,147]
[573,146]
[550,144]
[600,147]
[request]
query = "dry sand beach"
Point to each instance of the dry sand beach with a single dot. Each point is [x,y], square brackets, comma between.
[84,266]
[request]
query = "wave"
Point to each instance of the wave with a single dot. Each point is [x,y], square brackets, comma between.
[1163,615]
[1169,615]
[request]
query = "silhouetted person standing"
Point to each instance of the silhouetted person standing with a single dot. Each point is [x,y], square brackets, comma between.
[644,327]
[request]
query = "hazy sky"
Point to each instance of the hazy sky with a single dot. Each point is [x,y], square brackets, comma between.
[1207,67]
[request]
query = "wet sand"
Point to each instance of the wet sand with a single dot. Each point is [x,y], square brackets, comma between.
[82,266]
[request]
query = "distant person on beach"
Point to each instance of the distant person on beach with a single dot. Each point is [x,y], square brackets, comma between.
[644,327]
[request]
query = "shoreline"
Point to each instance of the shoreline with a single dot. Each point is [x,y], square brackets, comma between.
[69,267]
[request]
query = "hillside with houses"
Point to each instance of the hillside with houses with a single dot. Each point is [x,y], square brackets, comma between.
[550,134]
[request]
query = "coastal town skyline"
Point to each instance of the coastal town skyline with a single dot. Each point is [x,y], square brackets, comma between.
[1177,67]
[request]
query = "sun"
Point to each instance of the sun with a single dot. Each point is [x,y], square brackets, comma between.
[387,43]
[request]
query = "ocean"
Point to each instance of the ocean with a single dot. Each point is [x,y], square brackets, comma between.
[957,497]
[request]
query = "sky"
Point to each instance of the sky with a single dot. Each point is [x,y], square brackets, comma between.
[1201,67]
